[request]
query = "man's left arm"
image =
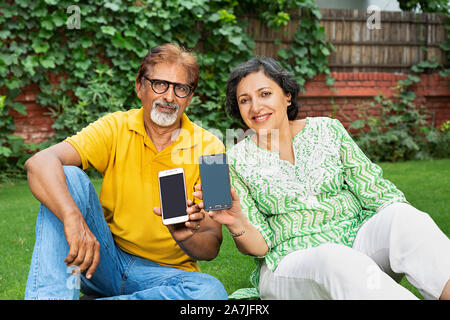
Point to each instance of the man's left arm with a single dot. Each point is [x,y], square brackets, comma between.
[200,237]
[206,235]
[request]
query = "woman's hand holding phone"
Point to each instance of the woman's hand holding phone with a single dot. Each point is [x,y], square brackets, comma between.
[233,218]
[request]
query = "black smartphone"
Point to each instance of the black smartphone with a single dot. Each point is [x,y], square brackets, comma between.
[215,178]
[172,192]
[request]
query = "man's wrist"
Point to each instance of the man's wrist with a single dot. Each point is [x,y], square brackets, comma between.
[71,216]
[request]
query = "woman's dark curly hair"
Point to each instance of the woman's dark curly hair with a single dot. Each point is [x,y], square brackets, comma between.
[271,69]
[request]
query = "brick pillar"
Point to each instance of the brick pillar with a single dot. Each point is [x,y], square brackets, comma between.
[36,125]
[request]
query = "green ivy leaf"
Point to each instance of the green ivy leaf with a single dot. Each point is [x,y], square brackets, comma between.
[4,34]
[86,42]
[45,34]
[58,21]
[445,73]
[29,63]
[413,78]
[2,102]
[130,31]
[428,64]
[134,9]
[358,124]
[40,46]
[13,83]
[108,30]
[83,65]
[213,17]
[5,151]
[299,51]
[47,24]
[316,12]
[325,50]
[8,59]
[142,23]
[283,54]
[236,40]
[408,95]
[329,81]
[19,107]
[47,62]
[113,6]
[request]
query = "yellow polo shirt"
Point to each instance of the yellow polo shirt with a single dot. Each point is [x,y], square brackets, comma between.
[117,146]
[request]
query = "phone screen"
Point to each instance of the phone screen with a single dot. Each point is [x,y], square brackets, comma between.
[215,178]
[173,195]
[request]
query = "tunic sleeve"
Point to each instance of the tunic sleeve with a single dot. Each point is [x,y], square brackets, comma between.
[249,208]
[363,177]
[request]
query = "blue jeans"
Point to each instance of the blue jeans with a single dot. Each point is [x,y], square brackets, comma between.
[119,275]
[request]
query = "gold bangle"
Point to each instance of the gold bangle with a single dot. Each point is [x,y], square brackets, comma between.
[235,235]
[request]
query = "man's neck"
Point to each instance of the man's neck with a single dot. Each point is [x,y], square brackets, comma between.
[162,137]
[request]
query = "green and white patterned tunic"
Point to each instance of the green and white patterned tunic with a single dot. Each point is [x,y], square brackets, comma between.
[325,197]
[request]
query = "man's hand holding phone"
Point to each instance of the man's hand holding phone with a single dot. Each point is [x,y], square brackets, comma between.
[247,238]
[185,230]
[181,215]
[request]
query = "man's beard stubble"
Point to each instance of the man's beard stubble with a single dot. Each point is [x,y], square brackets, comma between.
[164,119]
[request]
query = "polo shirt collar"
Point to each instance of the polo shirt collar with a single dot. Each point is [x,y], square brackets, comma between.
[136,123]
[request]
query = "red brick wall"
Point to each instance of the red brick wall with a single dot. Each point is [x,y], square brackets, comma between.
[36,125]
[350,90]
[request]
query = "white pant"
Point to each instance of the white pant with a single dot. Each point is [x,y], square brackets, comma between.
[399,240]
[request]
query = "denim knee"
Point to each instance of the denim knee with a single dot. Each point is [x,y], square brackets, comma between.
[209,288]
[73,172]
[79,185]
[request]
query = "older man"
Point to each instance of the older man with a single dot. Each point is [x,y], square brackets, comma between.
[116,246]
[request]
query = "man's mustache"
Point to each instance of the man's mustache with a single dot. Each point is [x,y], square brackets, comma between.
[166,104]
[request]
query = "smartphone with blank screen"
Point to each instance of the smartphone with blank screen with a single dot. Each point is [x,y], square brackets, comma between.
[215,178]
[172,192]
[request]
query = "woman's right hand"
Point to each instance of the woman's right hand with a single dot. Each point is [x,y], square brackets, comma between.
[232,217]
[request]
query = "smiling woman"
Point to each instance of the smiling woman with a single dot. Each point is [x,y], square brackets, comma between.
[273,72]
[313,209]
[260,99]
[263,95]
[263,106]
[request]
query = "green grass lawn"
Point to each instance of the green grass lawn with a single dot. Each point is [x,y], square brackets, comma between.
[426,185]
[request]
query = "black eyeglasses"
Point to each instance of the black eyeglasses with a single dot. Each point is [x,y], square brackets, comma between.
[181,90]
